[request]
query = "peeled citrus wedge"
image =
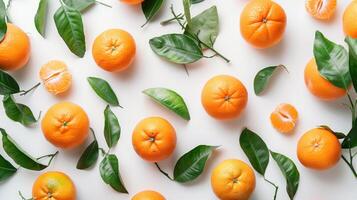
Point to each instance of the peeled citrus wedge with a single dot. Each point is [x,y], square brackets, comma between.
[284,118]
[321,9]
[56,77]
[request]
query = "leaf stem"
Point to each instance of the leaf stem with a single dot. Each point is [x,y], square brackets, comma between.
[275,186]
[91,129]
[51,156]
[103,4]
[103,151]
[185,67]
[24,92]
[7,10]
[23,198]
[350,165]
[164,173]
[353,108]
[179,17]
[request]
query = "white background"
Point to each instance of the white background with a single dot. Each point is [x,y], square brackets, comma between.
[149,70]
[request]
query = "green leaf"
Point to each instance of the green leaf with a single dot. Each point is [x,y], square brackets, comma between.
[151,8]
[339,135]
[290,172]
[187,12]
[176,48]
[8,84]
[205,25]
[262,78]
[196,1]
[18,112]
[6,169]
[103,90]
[192,164]
[352,45]
[40,17]
[111,127]
[70,27]
[350,140]
[80,5]
[109,171]
[3,25]
[255,149]
[170,99]
[332,61]
[89,156]
[18,155]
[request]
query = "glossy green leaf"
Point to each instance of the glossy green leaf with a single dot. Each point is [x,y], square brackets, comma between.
[192,164]
[109,171]
[8,85]
[18,112]
[350,140]
[103,90]
[290,172]
[70,27]
[41,16]
[89,157]
[176,48]
[196,1]
[170,99]
[352,46]
[3,25]
[18,155]
[332,61]
[6,169]
[79,5]
[187,11]
[339,135]
[151,8]
[255,149]
[111,127]
[205,25]
[261,79]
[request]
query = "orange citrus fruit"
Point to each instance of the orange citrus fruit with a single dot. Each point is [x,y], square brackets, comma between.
[154,139]
[224,97]
[53,186]
[233,180]
[132,2]
[349,20]
[262,23]
[319,149]
[319,86]
[65,125]
[321,9]
[284,118]
[114,50]
[56,77]
[148,195]
[14,49]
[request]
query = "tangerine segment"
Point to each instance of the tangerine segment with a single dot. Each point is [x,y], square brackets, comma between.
[262,23]
[132,2]
[15,49]
[154,139]
[56,77]
[321,9]
[349,20]
[284,118]
[148,195]
[233,180]
[319,149]
[318,85]
[53,186]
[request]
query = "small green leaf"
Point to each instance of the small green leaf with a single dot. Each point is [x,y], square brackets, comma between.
[262,78]
[192,164]
[111,127]
[18,112]
[352,46]
[18,155]
[109,171]
[103,90]
[6,169]
[339,135]
[187,12]
[170,99]
[176,48]
[8,85]
[40,17]
[151,8]
[70,27]
[80,5]
[89,156]
[255,149]
[332,61]
[3,25]
[290,172]
[350,140]
[196,1]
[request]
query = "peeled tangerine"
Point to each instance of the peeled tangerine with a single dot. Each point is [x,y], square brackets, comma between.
[284,118]
[321,9]
[56,77]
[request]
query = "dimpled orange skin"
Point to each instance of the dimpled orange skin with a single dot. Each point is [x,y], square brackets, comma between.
[132,2]
[65,125]
[53,186]
[148,195]
[319,149]
[56,77]
[233,180]
[154,139]
[15,49]
[284,118]
[321,9]
[114,50]
[224,97]
[319,86]
[349,20]
[262,23]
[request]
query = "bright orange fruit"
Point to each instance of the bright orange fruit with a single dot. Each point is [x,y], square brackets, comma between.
[148,195]
[132,2]
[56,77]
[321,9]
[349,20]
[284,118]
